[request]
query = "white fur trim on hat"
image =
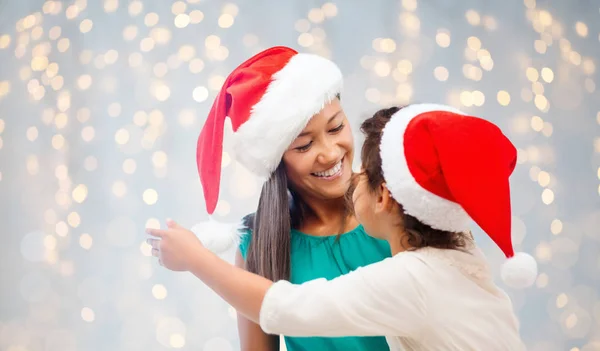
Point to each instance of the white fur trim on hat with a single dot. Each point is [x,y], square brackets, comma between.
[298,91]
[418,202]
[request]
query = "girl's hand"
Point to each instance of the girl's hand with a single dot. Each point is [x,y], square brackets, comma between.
[175,246]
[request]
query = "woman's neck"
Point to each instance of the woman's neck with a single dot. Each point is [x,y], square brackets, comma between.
[328,217]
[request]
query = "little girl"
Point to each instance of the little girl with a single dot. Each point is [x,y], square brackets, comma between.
[427,170]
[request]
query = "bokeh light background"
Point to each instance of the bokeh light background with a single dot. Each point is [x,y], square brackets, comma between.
[101,103]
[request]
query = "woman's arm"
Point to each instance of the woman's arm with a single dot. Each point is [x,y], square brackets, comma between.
[252,337]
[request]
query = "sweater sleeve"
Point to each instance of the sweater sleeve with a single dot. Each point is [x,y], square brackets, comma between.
[384,298]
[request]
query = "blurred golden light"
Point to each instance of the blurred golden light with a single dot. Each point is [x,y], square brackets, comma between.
[474,43]
[114,109]
[316,15]
[556,226]
[135,8]
[50,242]
[150,196]
[548,129]
[196,16]
[441,73]
[473,17]
[196,65]
[382,68]
[503,98]
[541,102]
[537,123]
[61,229]
[182,20]
[119,188]
[532,74]
[200,94]
[540,46]
[86,25]
[478,98]
[147,44]
[159,291]
[130,32]
[466,98]
[74,219]
[32,133]
[442,38]
[88,133]
[87,314]
[58,142]
[547,196]
[543,178]
[80,193]
[86,241]
[490,23]
[129,166]
[178,7]
[329,9]
[90,163]
[547,75]
[216,82]
[122,136]
[151,19]
[225,20]
[581,29]
[305,39]
[159,159]
[84,82]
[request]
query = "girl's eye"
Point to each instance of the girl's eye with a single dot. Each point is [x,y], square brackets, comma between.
[304,147]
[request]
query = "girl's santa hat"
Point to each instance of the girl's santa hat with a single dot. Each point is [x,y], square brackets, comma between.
[447,168]
[269,99]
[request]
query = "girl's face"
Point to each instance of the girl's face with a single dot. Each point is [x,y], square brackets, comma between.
[319,162]
[364,202]
[375,209]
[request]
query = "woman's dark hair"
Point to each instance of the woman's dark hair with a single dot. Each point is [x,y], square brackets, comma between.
[269,251]
[419,234]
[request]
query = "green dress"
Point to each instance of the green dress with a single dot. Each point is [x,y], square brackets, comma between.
[315,257]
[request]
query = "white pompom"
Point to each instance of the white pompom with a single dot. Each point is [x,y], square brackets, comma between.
[519,271]
[217,236]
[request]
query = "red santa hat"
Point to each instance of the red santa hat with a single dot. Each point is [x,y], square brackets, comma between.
[446,168]
[269,99]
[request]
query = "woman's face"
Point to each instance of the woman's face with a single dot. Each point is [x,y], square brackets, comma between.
[319,162]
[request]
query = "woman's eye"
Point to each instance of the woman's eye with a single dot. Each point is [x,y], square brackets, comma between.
[304,147]
[337,129]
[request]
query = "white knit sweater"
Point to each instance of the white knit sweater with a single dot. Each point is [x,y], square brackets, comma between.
[423,300]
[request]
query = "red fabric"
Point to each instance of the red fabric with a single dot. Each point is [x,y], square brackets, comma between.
[242,89]
[467,160]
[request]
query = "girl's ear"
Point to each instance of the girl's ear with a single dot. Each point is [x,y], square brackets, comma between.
[384,199]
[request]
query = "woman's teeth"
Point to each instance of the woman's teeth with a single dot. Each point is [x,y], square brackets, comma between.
[330,172]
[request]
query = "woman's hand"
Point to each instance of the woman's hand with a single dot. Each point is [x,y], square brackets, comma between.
[175,246]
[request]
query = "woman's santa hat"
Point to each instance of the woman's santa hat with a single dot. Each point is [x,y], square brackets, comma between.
[447,168]
[269,99]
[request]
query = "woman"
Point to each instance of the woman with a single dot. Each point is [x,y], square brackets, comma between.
[419,187]
[289,129]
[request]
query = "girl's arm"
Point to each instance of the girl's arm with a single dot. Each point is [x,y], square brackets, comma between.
[380,299]
[252,337]
[385,298]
